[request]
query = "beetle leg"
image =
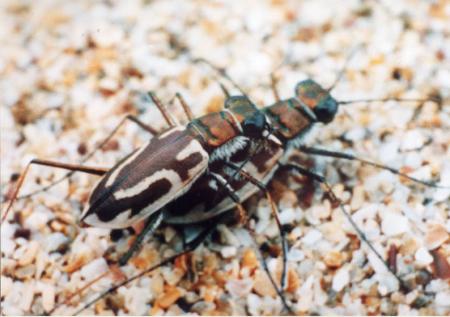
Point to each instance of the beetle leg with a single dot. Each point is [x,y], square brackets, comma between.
[343,69]
[362,236]
[273,86]
[221,71]
[242,214]
[72,167]
[189,247]
[225,92]
[272,281]
[153,222]
[171,121]
[275,214]
[351,157]
[186,108]
[128,117]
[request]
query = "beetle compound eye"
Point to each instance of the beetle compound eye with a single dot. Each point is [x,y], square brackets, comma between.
[326,110]
[255,125]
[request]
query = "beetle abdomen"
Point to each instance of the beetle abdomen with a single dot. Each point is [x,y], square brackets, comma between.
[146,180]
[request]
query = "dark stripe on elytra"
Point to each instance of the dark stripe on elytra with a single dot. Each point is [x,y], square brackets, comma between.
[114,207]
[142,166]
[101,185]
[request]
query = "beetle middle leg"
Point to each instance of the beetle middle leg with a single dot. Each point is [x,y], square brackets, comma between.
[229,190]
[263,188]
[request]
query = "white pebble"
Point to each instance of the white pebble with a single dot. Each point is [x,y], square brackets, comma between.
[423,257]
[312,237]
[171,276]
[239,288]
[387,283]
[228,251]
[38,218]
[6,285]
[394,224]
[254,304]
[27,296]
[296,255]
[287,216]
[412,140]
[54,241]
[377,265]
[443,299]
[48,295]
[94,269]
[341,279]
[31,249]
[107,35]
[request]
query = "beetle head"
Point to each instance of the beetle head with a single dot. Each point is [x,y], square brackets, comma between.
[318,99]
[257,125]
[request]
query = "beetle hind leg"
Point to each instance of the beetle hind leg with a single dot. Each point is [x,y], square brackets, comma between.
[128,117]
[189,247]
[72,167]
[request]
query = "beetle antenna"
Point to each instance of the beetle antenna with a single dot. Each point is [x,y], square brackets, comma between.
[347,102]
[341,73]
[221,71]
[363,237]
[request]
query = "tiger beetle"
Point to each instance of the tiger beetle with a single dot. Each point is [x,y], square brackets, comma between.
[198,172]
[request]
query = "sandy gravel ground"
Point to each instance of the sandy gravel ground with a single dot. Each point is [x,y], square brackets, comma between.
[70,70]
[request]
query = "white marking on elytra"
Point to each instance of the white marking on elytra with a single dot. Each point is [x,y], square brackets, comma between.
[173,193]
[116,172]
[121,221]
[193,147]
[238,124]
[199,214]
[228,149]
[135,190]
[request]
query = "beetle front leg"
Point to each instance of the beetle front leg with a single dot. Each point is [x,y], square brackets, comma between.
[321,179]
